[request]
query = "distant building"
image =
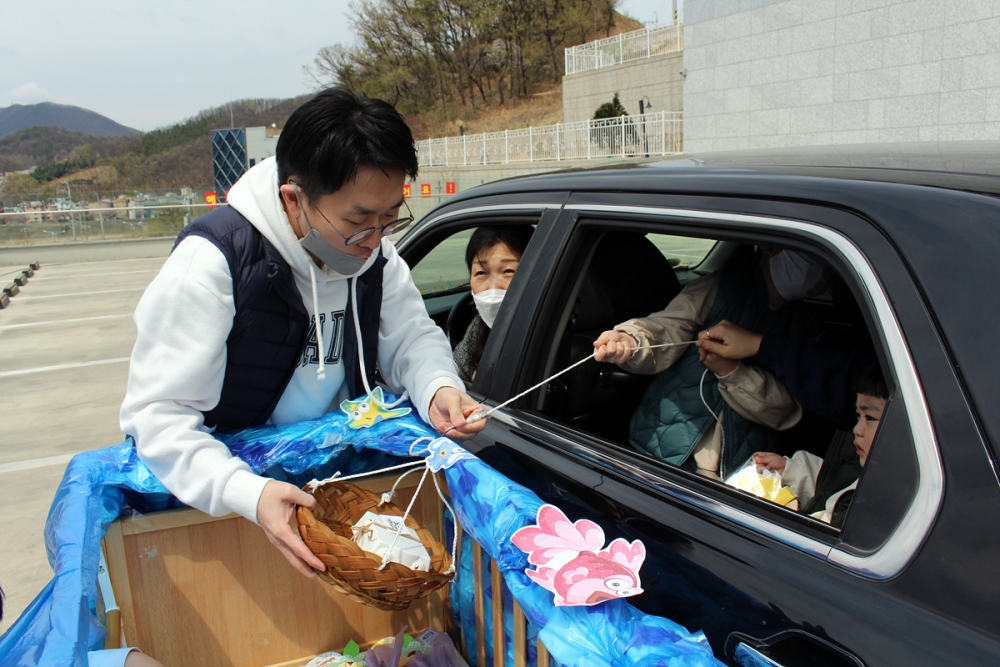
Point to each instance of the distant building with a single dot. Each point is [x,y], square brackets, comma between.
[237,149]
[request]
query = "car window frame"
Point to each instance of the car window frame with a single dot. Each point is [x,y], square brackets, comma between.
[904,541]
[541,212]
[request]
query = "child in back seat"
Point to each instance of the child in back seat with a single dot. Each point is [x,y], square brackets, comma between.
[801,471]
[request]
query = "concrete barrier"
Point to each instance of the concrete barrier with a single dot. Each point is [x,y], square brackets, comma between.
[87,251]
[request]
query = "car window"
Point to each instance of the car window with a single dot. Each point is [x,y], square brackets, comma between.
[440,272]
[617,274]
[443,268]
[683,252]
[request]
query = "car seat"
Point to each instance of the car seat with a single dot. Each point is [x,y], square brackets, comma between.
[627,277]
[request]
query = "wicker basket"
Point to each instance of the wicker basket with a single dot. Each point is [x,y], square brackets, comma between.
[326,530]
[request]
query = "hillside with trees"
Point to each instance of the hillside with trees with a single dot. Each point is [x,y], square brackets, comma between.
[445,59]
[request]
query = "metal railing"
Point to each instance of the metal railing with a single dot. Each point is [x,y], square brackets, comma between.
[96,224]
[651,134]
[635,45]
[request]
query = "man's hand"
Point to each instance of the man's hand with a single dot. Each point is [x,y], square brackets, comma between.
[718,365]
[613,347]
[769,461]
[448,411]
[274,513]
[729,341]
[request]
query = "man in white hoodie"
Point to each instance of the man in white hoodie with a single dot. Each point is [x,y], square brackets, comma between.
[278,307]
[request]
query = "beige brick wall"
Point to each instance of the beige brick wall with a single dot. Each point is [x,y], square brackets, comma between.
[779,73]
[658,78]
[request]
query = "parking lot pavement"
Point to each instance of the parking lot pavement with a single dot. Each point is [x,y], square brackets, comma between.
[65,340]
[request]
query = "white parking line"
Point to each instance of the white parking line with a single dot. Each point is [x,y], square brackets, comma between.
[62,459]
[106,261]
[74,319]
[91,275]
[57,296]
[61,367]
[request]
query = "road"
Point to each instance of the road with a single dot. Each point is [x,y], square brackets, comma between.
[65,340]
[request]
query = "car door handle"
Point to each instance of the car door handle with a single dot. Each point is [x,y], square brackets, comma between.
[751,657]
[789,648]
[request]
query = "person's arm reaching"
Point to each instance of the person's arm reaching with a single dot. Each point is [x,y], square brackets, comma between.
[677,323]
[821,377]
[415,354]
[758,396]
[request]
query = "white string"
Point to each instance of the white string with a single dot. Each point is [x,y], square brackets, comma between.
[311,486]
[479,416]
[387,497]
[718,420]
[402,522]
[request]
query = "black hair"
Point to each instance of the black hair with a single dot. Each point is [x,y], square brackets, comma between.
[327,140]
[484,238]
[871,383]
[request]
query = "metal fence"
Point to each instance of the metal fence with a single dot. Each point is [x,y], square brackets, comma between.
[649,134]
[635,45]
[95,224]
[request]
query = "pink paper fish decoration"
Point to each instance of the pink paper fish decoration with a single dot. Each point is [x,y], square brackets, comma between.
[572,564]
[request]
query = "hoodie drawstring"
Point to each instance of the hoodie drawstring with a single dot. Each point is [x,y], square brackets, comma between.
[321,371]
[357,334]
[361,351]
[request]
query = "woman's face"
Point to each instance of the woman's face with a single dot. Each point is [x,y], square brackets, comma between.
[493,268]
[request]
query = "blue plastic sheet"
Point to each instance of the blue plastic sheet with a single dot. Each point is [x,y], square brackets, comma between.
[60,625]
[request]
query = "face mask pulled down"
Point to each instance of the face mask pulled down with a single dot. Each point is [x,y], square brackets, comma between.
[333,258]
[340,262]
[488,304]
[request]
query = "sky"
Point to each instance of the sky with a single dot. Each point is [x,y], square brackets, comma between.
[151,64]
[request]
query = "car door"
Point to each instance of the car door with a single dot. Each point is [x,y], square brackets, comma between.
[763,582]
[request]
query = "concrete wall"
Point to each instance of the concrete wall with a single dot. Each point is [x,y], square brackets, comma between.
[658,78]
[779,73]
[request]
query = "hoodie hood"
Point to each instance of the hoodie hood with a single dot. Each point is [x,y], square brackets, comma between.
[257,199]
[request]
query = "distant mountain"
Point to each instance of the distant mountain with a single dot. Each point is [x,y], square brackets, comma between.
[18,117]
[166,158]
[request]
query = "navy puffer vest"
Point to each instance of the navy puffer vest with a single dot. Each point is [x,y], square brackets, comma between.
[672,417]
[270,327]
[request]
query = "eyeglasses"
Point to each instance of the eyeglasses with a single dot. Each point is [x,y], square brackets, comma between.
[360,235]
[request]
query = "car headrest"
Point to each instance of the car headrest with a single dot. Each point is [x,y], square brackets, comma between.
[628,277]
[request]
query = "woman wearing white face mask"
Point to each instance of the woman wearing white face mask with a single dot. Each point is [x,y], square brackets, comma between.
[492,256]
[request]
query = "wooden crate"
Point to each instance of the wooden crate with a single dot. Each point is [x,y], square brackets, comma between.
[199,590]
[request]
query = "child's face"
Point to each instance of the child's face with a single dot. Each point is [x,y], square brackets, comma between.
[869,411]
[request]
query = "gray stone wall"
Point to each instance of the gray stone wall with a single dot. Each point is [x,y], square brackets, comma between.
[778,73]
[658,78]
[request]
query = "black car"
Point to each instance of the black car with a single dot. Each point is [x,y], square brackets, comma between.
[913,576]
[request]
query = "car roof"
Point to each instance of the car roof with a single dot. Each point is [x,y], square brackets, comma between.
[962,166]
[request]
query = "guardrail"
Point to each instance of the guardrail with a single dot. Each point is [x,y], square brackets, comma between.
[628,46]
[651,134]
[93,224]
